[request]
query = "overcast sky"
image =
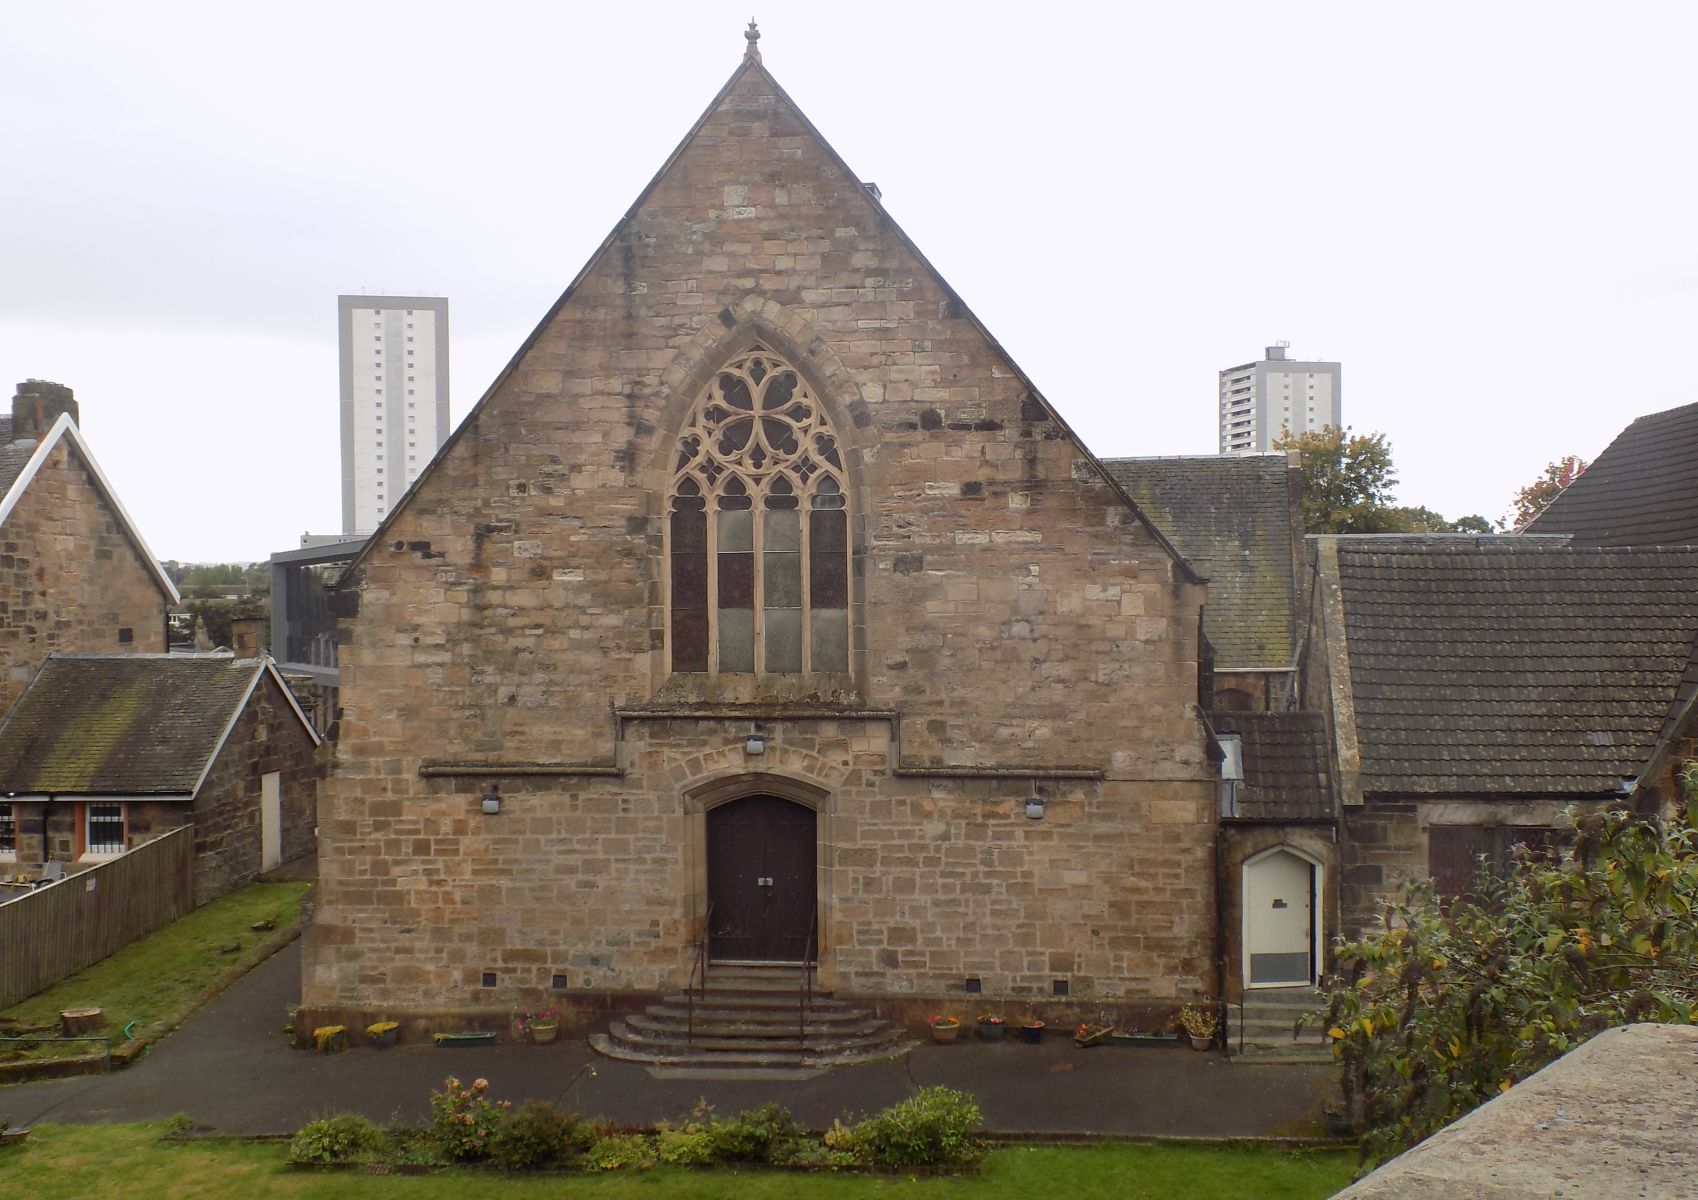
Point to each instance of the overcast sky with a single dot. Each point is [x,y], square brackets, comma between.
[1483,210]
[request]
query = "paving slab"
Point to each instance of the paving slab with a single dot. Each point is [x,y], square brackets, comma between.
[230,1068]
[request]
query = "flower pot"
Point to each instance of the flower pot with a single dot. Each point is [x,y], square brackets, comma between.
[1032,1034]
[542,1035]
[384,1040]
[1201,1043]
[943,1034]
[335,1043]
[990,1031]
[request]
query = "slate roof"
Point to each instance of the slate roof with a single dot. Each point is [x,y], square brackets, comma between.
[14,456]
[121,725]
[1513,665]
[1642,490]
[1231,517]
[1285,764]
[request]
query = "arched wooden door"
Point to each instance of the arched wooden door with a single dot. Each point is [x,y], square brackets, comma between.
[760,865]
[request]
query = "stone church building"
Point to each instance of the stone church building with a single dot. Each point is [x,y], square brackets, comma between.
[763,610]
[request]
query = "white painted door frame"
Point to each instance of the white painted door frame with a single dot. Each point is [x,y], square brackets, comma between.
[1317,932]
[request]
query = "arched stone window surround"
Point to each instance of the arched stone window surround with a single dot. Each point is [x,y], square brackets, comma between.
[759,512]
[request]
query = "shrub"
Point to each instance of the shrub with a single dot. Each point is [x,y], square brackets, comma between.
[536,1134]
[1441,1009]
[463,1120]
[934,1129]
[811,1156]
[341,1139]
[764,1134]
[618,1151]
[692,1146]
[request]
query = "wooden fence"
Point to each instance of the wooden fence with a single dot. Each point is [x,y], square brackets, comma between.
[56,931]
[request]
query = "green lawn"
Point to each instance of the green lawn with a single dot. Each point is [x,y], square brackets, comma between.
[129,1161]
[155,980]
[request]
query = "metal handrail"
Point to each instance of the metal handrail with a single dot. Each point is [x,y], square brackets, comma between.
[700,967]
[807,997]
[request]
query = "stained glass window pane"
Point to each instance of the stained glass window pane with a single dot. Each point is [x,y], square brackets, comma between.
[831,638]
[783,639]
[736,640]
[828,563]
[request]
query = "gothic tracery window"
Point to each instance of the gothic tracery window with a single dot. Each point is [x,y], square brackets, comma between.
[758,529]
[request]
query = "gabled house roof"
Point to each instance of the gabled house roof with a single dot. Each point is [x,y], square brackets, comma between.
[1642,490]
[1232,518]
[751,65]
[1285,764]
[21,461]
[128,724]
[1507,666]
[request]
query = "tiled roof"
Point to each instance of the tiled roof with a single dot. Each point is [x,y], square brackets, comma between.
[129,725]
[1511,665]
[14,456]
[1231,517]
[1285,764]
[1642,491]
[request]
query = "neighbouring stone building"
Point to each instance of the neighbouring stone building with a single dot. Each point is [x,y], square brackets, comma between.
[75,574]
[104,752]
[762,583]
[1477,689]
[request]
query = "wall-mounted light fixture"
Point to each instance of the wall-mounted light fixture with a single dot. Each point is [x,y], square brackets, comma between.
[492,800]
[1034,804]
[755,745]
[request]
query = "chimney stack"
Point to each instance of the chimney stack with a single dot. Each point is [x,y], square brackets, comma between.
[37,405]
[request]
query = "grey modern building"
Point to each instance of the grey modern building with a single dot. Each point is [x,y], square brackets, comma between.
[1262,399]
[394,372]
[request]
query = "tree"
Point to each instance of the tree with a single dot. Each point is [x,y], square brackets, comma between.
[1425,520]
[1536,497]
[1441,1009]
[1347,482]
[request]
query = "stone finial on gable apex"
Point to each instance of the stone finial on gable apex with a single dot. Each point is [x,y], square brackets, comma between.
[753,35]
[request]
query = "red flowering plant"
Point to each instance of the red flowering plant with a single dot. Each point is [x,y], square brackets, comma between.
[525,1021]
[989,1019]
[463,1120]
[942,1019]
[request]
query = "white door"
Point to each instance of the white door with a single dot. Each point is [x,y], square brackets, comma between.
[1279,920]
[270,820]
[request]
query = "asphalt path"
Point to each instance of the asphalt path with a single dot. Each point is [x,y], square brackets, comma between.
[231,1068]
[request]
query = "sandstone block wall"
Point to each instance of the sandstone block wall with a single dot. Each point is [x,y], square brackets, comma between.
[267,737]
[1008,610]
[70,579]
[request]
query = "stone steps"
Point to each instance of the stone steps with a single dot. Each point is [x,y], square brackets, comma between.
[751,1017]
[1265,1027]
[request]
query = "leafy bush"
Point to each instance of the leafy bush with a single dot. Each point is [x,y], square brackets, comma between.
[536,1134]
[463,1120]
[934,1129]
[619,1151]
[764,1134]
[1438,1011]
[812,1156]
[692,1146]
[341,1139]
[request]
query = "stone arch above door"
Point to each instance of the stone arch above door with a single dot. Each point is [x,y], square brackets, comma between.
[799,777]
